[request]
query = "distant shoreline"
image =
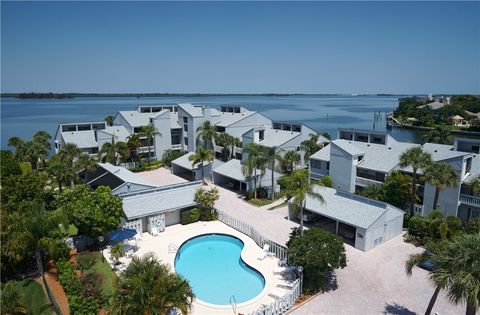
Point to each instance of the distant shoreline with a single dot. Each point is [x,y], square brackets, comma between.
[139,95]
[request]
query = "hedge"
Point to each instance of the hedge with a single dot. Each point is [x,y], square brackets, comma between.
[189,216]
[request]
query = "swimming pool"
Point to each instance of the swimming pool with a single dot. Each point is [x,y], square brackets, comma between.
[213,266]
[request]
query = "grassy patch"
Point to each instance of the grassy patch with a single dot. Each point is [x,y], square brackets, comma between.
[259,202]
[283,204]
[33,297]
[108,274]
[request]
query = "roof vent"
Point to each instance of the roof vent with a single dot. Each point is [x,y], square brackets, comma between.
[389,148]
[435,151]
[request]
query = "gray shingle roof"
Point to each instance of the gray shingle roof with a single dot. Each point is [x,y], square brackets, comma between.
[382,158]
[433,106]
[347,147]
[83,139]
[322,154]
[162,199]
[442,152]
[275,137]
[196,110]
[350,209]
[227,119]
[125,175]
[184,162]
[120,132]
[231,169]
[137,119]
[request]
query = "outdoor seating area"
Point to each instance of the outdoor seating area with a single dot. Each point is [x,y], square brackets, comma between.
[129,240]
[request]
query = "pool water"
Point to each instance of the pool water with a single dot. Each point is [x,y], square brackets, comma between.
[213,266]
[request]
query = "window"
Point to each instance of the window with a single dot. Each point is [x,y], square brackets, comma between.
[468,166]
[185,120]
[185,141]
[261,135]
[328,166]
[475,148]
[360,158]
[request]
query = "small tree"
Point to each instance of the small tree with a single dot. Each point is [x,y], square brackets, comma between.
[86,261]
[117,251]
[206,200]
[200,157]
[318,252]
[440,175]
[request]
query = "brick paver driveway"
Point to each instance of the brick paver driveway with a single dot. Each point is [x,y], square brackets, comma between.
[372,283]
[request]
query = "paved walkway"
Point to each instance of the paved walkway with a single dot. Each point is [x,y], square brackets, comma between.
[271,223]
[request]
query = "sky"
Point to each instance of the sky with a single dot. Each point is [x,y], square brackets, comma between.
[248,47]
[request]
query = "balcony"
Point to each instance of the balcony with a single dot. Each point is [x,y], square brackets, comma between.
[365,182]
[470,200]
[146,149]
[176,146]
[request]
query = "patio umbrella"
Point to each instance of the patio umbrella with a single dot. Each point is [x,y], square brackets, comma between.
[121,235]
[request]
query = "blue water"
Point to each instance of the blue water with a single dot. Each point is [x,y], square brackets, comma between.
[321,112]
[213,266]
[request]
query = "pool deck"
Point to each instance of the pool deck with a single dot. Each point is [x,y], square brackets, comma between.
[177,234]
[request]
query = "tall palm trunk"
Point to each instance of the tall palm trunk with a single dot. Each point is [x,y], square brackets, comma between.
[433,299]
[301,219]
[414,190]
[59,186]
[273,179]
[254,184]
[149,150]
[435,199]
[471,310]
[203,172]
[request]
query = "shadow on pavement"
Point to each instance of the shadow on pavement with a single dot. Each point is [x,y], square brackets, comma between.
[396,309]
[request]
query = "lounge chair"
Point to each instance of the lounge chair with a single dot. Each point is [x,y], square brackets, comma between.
[277,294]
[282,262]
[281,270]
[287,284]
[264,253]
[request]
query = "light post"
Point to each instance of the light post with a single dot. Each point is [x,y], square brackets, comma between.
[300,272]
[100,240]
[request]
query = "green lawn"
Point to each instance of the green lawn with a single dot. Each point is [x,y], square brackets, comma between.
[108,274]
[259,202]
[33,297]
[283,204]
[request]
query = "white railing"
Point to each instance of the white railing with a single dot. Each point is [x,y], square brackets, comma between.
[280,305]
[146,149]
[364,182]
[279,250]
[469,199]
[176,146]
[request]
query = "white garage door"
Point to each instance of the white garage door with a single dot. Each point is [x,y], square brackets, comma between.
[172,218]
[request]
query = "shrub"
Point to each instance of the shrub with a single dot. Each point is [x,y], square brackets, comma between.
[262,193]
[473,225]
[54,248]
[454,225]
[435,214]
[406,219]
[170,155]
[208,215]
[327,181]
[86,261]
[83,305]
[9,166]
[189,216]
[92,286]
[417,228]
[68,279]
[249,195]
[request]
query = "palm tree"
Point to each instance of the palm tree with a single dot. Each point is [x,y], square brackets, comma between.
[299,188]
[311,145]
[29,151]
[147,286]
[228,142]
[456,270]
[70,152]
[203,155]
[289,160]
[133,144]
[206,132]
[43,139]
[372,192]
[60,170]
[272,155]
[417,159]
[440,134]
[11,302]
[87,163]
[115,151]
[149,131]
[440,175]
[255,162]
[109,119]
